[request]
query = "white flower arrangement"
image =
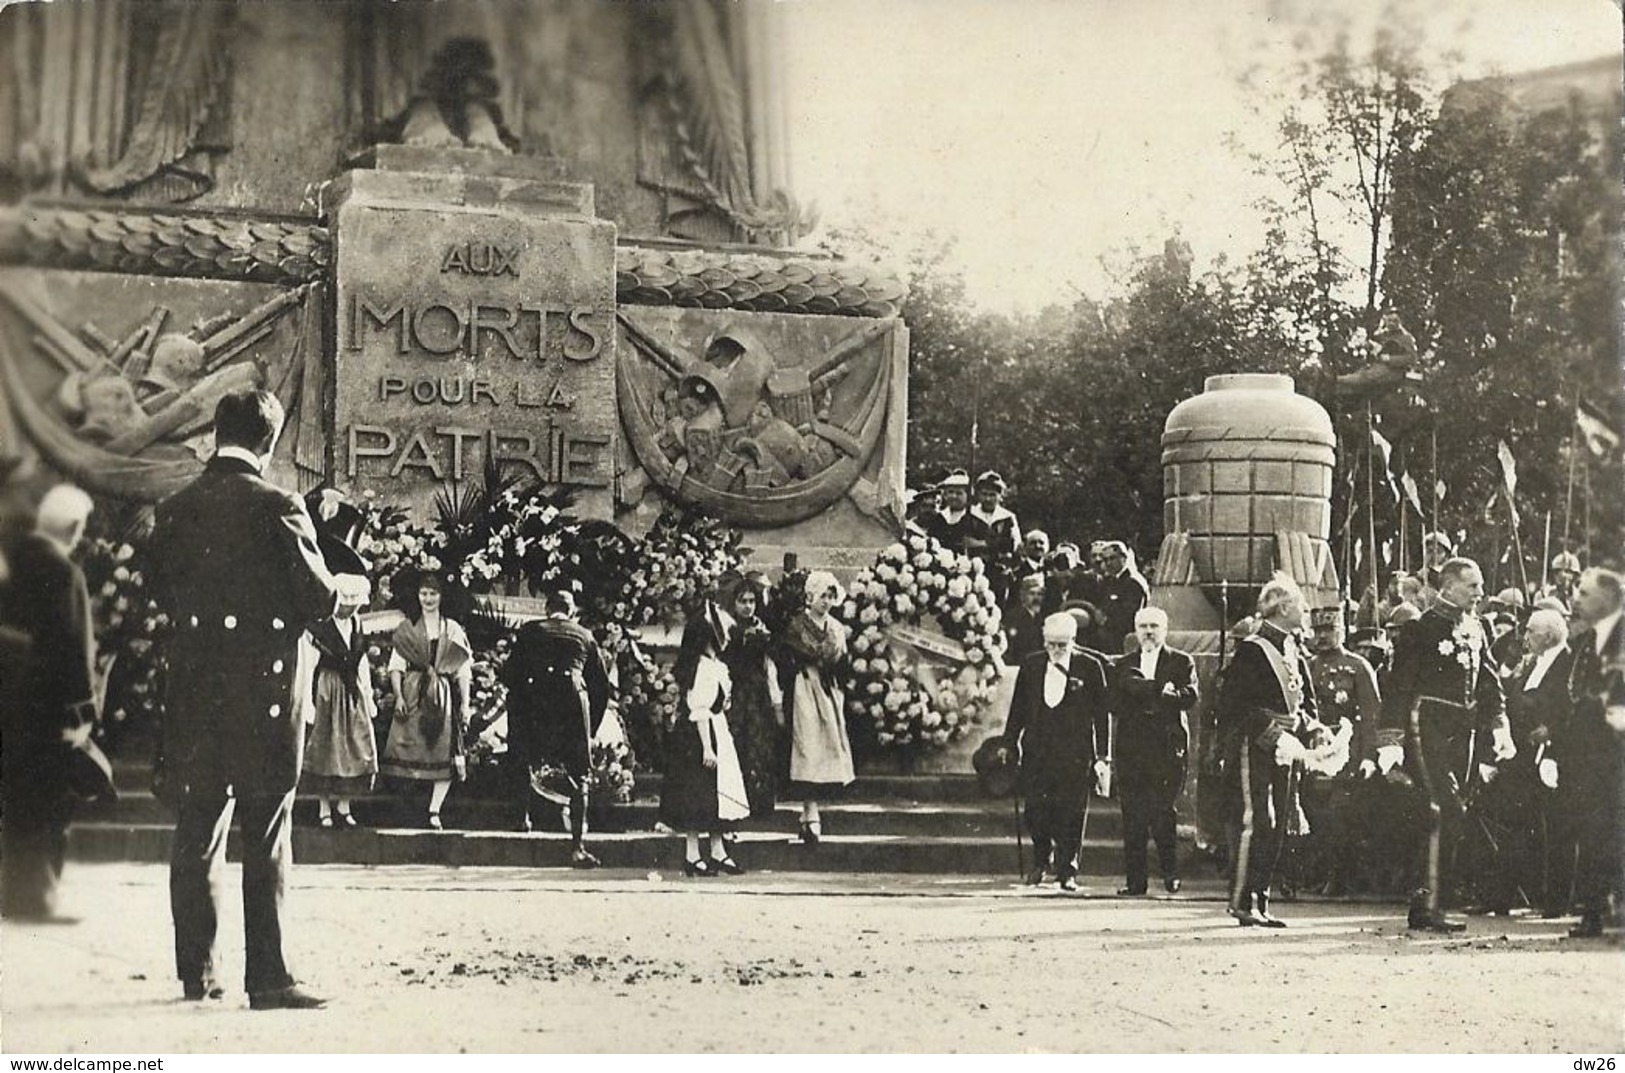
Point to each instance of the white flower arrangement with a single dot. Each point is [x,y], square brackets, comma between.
[910,582]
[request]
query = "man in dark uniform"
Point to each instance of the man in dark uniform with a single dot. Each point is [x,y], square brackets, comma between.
[1591,750]
[46,604]
[1349,703]
[237,567]
[1058,716]
[951,523]
[1152,690]
[558,690]
[1442,693]
[1265,709]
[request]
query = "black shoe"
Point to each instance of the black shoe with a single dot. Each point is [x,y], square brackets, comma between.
[699,869]
[727,866]
[287,998]
[1171,884]
[1069,884]
[1248,915]
[1434,921]
[1265,917]
[57,919]
[1035,877]
[198,990]
[812,832]
[1130,892]
[582,859]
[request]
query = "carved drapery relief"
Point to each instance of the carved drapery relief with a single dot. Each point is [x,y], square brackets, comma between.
[703,95]
[114,98]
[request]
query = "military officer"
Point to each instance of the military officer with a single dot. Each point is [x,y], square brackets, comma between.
[237,567]
[1442,692]
[1266,707]
[1058,719]
[1347,697]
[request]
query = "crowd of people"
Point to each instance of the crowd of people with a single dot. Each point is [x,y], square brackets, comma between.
[1499,727]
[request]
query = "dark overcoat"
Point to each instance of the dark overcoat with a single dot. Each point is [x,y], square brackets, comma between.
[1058,745]
[236,568]
[558,690]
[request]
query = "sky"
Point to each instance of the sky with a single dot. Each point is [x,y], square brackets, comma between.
[1050,137]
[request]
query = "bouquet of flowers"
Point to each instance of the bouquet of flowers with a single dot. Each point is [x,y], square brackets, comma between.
[613,774]
[683,557]
[128,626]
[912,583]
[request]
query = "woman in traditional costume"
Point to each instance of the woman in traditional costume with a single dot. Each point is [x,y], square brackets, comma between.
[756,716]
[820,749]
[335,699]
[704,791]
[431,672]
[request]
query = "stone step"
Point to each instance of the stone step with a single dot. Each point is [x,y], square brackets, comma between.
[639,851]
[897,817]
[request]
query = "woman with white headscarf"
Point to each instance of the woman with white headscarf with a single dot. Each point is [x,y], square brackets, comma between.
[820,749]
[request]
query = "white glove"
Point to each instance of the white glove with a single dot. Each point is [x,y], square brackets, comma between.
[1289,750]
[1487,773]
[1103,778]
[1615,714]
[1368,768]
[1389,757]
[1501,744]
[1548,774]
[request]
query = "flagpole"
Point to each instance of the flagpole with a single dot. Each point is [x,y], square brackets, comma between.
[1586,473]
[1371,504]
[1546,552]
[1517,543]
[1433,435]
[1568,496]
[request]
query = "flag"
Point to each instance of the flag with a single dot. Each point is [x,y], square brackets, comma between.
[1439,490]
[1407,482]
[1387,449]
[1600,439]
[1509,467]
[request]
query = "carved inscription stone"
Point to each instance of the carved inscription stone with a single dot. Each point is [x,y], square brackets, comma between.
[474,319]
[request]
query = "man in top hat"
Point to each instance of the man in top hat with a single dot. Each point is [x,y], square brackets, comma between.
[237,567]
[1441,694]
[53,708]
[1058,718]
[1350,703]
[558,690]
[1590,752]
[951,523]
[1153,689]
[1266,708]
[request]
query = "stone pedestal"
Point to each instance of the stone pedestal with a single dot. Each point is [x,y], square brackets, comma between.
[473,320]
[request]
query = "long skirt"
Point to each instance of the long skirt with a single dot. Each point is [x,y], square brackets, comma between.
[341,753]
[416,751]
[820,749]
[694,797]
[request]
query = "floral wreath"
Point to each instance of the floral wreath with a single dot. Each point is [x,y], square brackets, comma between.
[919,583]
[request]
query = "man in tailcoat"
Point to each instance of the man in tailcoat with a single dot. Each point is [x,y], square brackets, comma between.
[1058,718]
[52,708]
[558,690]
[1152,690]
[1514,799]
[1591,748]
[237,568]
[1266,710]
[1442,694]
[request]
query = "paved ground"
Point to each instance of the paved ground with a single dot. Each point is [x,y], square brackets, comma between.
[437,959]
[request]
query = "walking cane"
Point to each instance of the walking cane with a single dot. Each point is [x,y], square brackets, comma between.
[1021,863]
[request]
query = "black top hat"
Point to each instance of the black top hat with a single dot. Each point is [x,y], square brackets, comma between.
[338,526]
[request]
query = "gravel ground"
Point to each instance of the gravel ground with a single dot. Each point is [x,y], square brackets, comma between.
[504,960]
